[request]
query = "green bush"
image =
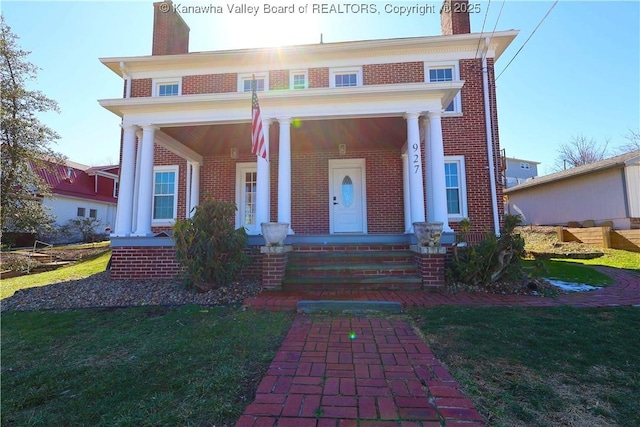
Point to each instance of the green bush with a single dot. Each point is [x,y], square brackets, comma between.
[493,259]
[208,248]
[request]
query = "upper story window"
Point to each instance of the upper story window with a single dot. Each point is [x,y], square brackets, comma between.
[165,193]
[298,80]
[524,165]
[445,72]
[345,77]
[245,81]
[167,87]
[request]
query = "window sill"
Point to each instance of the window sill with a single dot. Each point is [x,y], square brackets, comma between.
[163,223]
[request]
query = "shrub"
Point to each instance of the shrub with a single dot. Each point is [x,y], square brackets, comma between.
[208,248]
[493,259]
[84,229]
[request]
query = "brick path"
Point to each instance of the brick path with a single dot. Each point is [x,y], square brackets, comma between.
[385,376]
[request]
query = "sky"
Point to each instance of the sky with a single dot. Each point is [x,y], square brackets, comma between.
[579,74]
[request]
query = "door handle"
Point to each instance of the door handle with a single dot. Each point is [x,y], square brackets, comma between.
[336,203]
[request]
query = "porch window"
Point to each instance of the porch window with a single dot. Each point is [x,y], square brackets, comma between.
[246,184]
[167,87]
[165,197]
[298,80]
[456,187]
[437,73]
[244,82]
[345,77]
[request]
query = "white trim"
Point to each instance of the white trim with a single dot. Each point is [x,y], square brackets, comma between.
[248,76]
[333,72]
[455,67]
[165,81]
[292,73]
[166,168]
[358,163]
[241,169]
[462,184]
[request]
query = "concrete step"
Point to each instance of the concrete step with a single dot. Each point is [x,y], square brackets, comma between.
[352,270]
[349,257]
[349,307]
[369,283]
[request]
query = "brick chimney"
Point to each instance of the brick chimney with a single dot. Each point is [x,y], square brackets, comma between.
[454,17]
[170,32]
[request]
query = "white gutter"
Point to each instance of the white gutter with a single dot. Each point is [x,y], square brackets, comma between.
[127,76]
[487,113]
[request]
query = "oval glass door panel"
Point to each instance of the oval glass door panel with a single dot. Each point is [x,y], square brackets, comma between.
[347,191]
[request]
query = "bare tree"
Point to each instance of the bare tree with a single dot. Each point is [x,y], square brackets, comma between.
[580,151]
[632,144]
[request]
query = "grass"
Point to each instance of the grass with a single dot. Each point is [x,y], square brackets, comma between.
[568,272]
[613,258]
[542,366]
[137,366]
[77,271]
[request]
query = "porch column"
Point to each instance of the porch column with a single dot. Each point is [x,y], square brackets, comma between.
[428,169]
[136,183]
[145,198]
[438,185]
[124,211]
[415,168]
[405,192]
[194,188]
[263,186]
[284,172]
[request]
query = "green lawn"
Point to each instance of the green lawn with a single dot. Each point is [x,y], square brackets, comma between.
[77,271]
[560,269]
[613,258]
[542,366]
[138,366]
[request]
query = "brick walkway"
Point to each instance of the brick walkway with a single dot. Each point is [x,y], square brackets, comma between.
[385,375]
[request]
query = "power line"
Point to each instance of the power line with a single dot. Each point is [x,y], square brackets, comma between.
[482,30]
[531,35]
[497,19]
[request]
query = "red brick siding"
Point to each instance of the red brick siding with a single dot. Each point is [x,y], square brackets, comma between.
[140,87]
[431,267]
[278,79]
[143,262]
[319,77]
[273,269]
[210,83]
[170,32]
[400,72]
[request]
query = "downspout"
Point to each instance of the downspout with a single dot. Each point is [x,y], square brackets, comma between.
[487,120]
[127,77]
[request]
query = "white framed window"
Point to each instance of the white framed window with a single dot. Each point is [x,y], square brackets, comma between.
[246,184]
[456,184]
[345,77]
[298,79]
[525,165]
[244,82]
[165,194]
[81,212]
[445,72]
[167,87]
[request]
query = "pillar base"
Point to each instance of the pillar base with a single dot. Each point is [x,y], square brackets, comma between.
[430,260]
[274,263]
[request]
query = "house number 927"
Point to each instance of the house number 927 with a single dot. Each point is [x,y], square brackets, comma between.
[416,158]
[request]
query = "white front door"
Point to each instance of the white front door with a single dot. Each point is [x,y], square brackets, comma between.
[347,203]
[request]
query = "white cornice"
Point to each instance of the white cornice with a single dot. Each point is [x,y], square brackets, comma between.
[309,56]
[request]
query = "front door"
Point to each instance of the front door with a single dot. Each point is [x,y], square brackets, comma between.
[347,205]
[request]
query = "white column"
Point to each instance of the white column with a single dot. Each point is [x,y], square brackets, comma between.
[406,193]
[284,172]
[438,184]
[136,184]
[428,169]
[263,186]
[124,212]
[194,198]
[415,168]
[145,197]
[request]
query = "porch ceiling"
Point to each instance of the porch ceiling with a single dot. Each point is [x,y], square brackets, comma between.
[306,136]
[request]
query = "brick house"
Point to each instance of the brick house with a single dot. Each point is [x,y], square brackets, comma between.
[364,138]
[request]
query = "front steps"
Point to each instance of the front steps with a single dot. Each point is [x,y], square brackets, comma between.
[352,269]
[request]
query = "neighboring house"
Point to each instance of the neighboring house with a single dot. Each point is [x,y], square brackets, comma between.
[364,138]
[80,191]
[518,171]
[608,190]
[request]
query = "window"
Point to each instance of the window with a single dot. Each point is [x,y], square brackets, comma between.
[345,77]
[455,187]
[167,87]
[298,80]
[244,82]
[93,213]
[438,73]
[524,165]
[116,187]
[246,184]
[165,196]
[81,212]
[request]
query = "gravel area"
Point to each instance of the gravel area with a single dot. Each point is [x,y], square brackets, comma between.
[100,291]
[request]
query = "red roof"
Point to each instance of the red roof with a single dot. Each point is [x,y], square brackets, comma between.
[72,181]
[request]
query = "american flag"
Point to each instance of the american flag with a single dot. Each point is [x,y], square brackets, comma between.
[258,146]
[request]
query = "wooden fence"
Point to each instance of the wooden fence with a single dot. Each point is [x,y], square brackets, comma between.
[603,237]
